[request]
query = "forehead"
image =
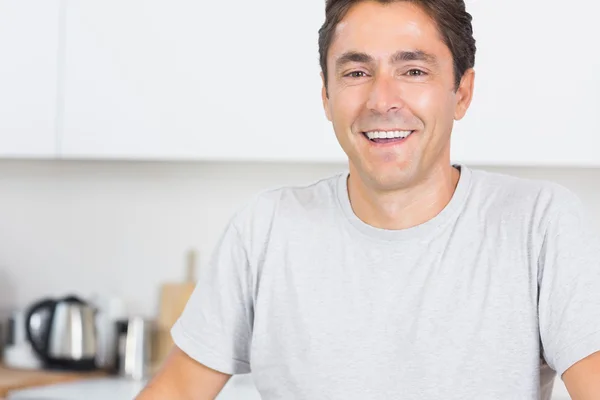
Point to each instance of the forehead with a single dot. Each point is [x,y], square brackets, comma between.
[382,29]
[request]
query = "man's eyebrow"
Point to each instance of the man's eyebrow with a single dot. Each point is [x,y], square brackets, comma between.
[416,55]
[352,56]
[398,57]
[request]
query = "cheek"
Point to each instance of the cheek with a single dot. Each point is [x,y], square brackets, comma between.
[431,104]
[346,107]
[423,100]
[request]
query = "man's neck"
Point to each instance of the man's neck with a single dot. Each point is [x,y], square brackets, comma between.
[407,207]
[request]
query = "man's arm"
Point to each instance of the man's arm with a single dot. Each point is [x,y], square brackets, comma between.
[183,378]
[583,378]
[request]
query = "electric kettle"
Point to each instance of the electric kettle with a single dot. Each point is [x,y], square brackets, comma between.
[63,333]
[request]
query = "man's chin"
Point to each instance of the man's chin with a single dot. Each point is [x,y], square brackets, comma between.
[389,177]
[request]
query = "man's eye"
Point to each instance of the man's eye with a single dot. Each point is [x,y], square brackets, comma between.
[356,74]
[415,72]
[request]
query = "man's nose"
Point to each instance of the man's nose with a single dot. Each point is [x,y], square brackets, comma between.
[385,95]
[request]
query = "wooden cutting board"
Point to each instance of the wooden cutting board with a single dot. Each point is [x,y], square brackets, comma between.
[16,379]
[173,298]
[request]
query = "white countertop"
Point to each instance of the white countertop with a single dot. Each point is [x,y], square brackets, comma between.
[239,387]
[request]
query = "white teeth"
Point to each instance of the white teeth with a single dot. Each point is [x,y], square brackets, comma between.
[387,135]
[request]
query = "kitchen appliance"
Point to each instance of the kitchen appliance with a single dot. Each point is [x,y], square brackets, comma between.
[133,350]
[17,351]
[110,309]
[3,332]
[63,333]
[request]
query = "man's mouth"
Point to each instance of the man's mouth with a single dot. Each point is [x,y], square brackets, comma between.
[387,136]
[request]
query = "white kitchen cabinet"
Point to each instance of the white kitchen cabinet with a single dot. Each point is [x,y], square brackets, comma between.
[537,91]
[239,80]
[29,49]
[188,79]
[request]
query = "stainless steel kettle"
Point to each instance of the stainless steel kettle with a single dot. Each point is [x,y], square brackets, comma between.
[63,333]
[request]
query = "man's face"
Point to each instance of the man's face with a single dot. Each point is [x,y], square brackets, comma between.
[390,71]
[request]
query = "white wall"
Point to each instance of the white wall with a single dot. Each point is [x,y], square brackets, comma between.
[100,227]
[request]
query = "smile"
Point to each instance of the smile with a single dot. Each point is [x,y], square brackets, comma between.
[387,136]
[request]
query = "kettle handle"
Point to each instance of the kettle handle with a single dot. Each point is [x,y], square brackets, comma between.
[73,299]
[40,346]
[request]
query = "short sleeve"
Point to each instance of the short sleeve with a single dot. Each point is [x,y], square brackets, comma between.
[569,287]
[215,327]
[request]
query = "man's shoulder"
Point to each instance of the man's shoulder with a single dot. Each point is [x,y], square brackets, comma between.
[293,201]
[509,193]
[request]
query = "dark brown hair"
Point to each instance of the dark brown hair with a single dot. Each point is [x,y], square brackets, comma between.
[451,17]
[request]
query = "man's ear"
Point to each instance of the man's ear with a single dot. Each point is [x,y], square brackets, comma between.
[325,98]
[464,94]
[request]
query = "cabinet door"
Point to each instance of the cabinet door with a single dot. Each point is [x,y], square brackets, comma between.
[29,47]
[537,89]
[183,79]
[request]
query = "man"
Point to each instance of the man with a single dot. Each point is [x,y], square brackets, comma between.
[407,277]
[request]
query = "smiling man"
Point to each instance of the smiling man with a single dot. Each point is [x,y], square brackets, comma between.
[405,277]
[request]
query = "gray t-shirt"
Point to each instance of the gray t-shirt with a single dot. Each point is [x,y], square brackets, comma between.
[484,301]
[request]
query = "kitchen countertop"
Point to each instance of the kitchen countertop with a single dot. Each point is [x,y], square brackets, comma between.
[15,379]
[239,387]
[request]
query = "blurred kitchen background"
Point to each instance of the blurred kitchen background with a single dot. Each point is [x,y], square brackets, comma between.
[125,227]
[131,131]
